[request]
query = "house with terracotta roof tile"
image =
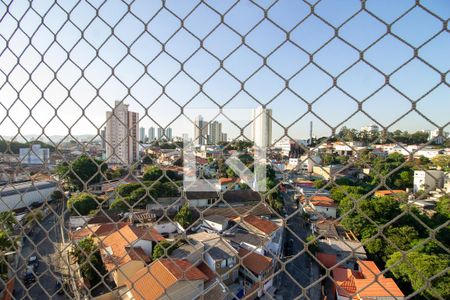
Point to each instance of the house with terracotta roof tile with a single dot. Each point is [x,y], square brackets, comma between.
[217,253]
[365,281]
[127,250]
[268,230]
[321,205]
[166,279]
[255,272]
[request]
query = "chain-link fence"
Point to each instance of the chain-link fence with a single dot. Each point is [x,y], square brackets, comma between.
[99,101]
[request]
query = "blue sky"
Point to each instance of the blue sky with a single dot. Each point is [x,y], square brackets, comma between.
[305,63]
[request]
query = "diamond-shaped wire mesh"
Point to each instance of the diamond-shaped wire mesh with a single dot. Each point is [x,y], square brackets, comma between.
[93,202]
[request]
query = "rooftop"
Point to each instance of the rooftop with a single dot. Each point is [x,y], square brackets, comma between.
[114,247]
[217,247]
[255,262]
[25,187]
[151,282]
[364,283]
[265,226]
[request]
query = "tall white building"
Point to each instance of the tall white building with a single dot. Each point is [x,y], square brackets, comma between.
[160,133]
[428,180]
[151,134]
[215,134]
[168,133]
[437,137]
[142,136]
[200,131]
[262,127]
[122,140]
[35,155]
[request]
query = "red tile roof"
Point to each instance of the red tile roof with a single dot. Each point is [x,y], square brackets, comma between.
[364,283]
[263,225]
[321,198]
[328,260]
[224,180]
[151,282]
[255,262]
[114,246]
[381,287]
[369,269]
[389,192]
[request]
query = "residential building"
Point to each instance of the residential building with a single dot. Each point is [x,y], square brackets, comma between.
[174,279]
[200,131]
[321,205]
[447,183]
[216,222]
[428,180]
[262,127]
[168,133]
[151,134]
[364,281]
[229,184]
[284,145]
[219,255]
[103,137]
[25,194]
[392,193]
[255,270]
[122,140]
[267,235]
[127,250]
[35,155]
[437,136]
[160,133]
[215,133]
[142,137]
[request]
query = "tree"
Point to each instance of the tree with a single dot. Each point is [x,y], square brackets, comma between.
[160,249]
[7,221]
[7,242]
[443,207]
[57,195]
[417,267]
[82,203]
[125,190]
[115,173]
[153,173]
[442,161]
[184,216]
[87,255]
[83,170]
[399,172]
[120,204]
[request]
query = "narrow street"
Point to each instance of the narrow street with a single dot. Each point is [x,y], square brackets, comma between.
[46,243]
[303,270]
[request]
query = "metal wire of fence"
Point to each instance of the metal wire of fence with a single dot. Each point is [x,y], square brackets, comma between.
[59,62]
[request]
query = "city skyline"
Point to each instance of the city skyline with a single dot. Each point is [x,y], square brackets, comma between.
[95,90]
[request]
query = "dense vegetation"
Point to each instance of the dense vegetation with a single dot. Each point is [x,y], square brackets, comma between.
[350,135]
[87,255]
[139,194]
[82,204]
[405,232]
[82,171]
